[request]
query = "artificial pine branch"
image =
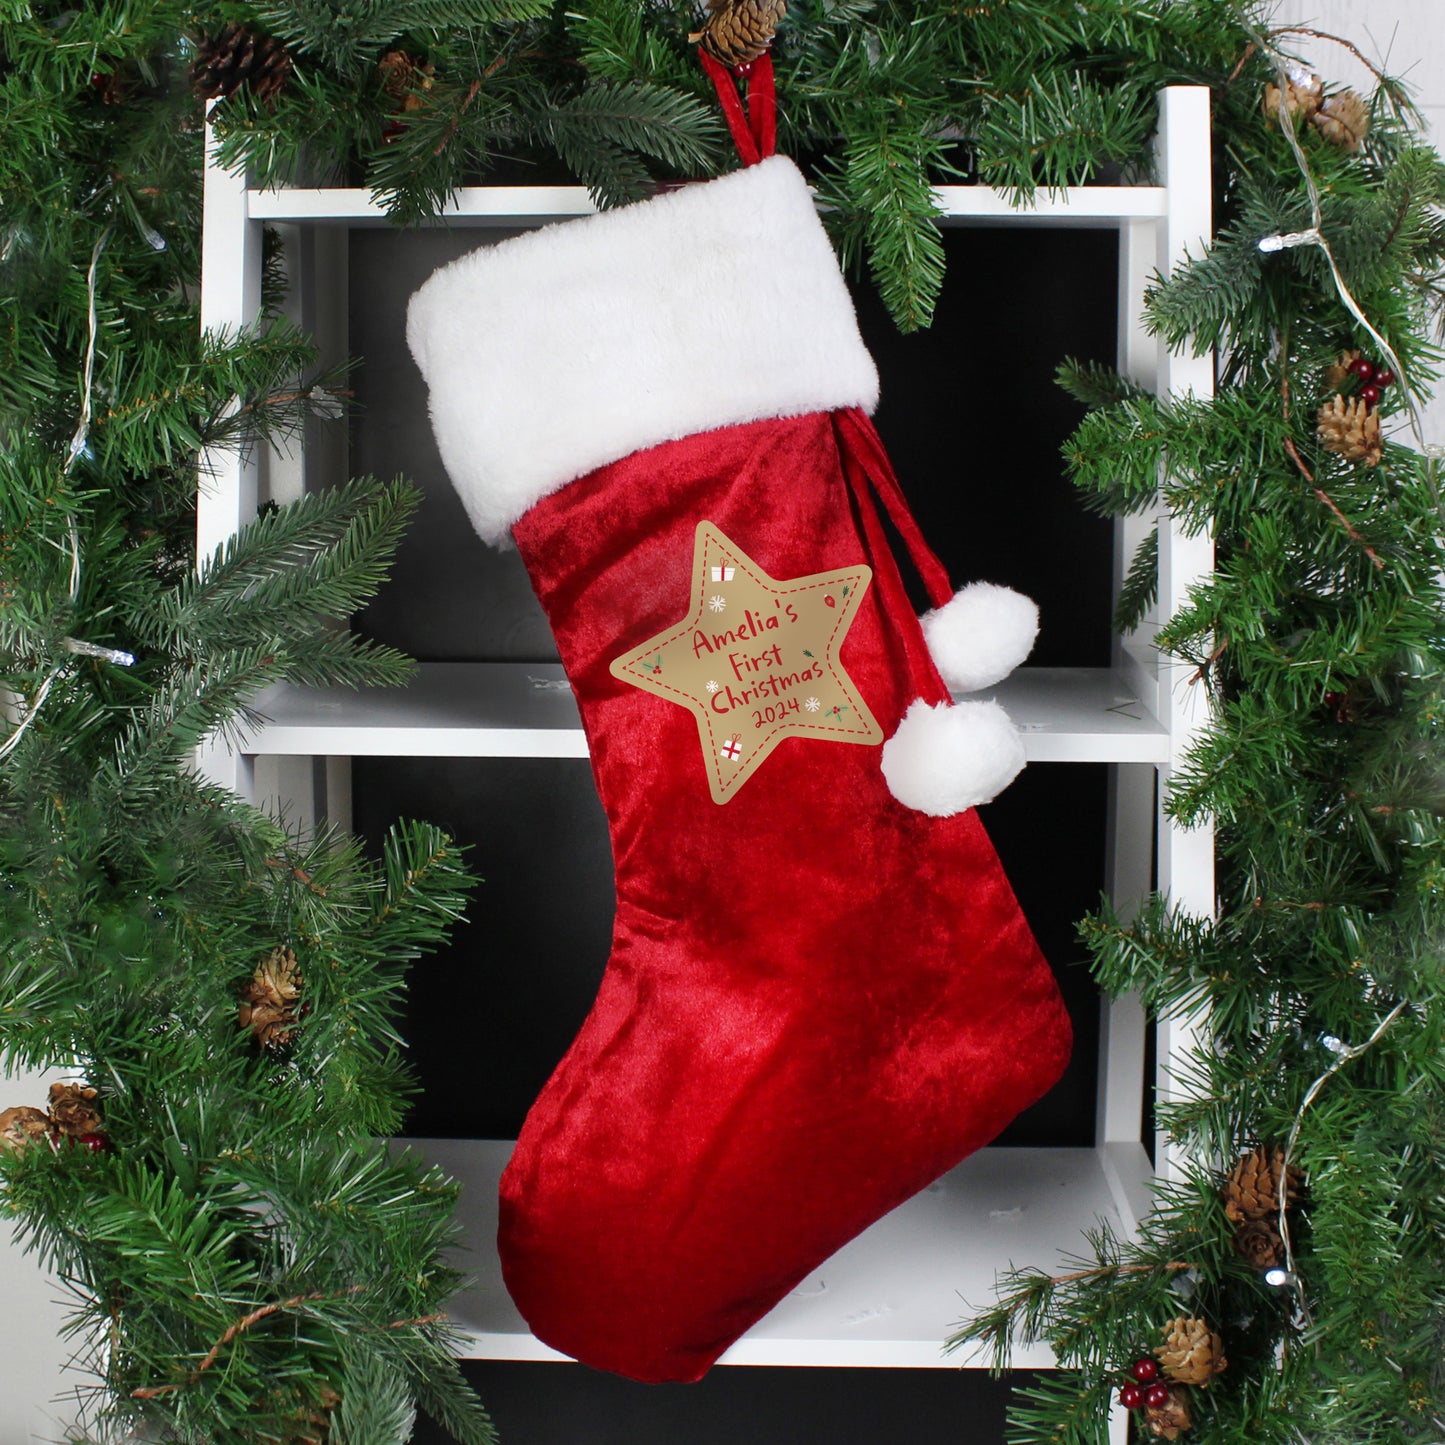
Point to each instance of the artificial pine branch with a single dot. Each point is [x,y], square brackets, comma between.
[1312,637]
[376,1406]
[1140,590]
[1057,130]
[352,34]
[620,41]
[603,132]
[445,1395]
[1094,384]
[882,191]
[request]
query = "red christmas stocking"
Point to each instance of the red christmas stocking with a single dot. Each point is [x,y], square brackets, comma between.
[821,993]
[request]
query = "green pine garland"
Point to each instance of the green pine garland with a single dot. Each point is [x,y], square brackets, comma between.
[245,1261]
[247,1265]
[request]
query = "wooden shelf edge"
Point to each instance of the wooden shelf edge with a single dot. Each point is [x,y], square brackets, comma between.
[494,205]
[526,710]
[888,1299]
[417,742]
[525,206]
[1100,205]
[1130,1176]
[788,1354]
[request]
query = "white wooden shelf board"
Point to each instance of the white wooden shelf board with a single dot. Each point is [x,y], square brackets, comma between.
[1071,205]
[1079,715]
[887,1299]
[526,710]
[475,205]
[521,206]
[449,710]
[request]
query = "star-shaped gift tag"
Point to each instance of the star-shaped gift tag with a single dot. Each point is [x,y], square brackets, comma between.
[756,660]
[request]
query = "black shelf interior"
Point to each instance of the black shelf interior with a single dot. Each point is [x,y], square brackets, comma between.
[549,1404]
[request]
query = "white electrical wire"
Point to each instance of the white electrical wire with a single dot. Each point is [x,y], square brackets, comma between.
[78,443]
[1343,1054]
[1314,236]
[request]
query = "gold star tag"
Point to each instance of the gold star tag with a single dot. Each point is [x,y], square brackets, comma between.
[756,660]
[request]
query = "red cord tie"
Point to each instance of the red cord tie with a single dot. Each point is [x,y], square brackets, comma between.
[861,439]
[754,127]
[869,473]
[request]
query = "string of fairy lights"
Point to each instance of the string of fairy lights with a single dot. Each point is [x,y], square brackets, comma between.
[1314,235]
[79,441]
[1285,1276]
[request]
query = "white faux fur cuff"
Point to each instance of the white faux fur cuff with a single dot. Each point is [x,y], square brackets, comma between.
[554,353]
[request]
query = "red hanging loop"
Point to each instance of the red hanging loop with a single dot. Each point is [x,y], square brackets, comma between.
[754,127]
[763,104]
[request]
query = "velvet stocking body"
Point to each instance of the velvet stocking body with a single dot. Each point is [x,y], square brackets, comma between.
[817,1000]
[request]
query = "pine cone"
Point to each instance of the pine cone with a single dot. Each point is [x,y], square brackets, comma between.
[237,57]
[1338,372]
[1251,1190]
[1351,430]
[1192,1354]
[22,1126]
[1171,1419]
[401,77]
[1343,119]
[72,1110]
[268,1005]
[1259,1242]
[738,31]
[1303,91]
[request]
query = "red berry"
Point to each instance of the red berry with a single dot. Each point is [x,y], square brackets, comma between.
[1157,1396]
[1131,1396]
[1145,1370]
[1384,377]
[97,1143]
[1370,395]
[1365,370]
[744,70]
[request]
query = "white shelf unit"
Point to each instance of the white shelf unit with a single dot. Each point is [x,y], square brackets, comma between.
[890,1297]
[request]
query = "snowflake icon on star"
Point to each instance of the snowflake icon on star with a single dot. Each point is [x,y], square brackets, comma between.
[713,685]
[812,704]
[717,603]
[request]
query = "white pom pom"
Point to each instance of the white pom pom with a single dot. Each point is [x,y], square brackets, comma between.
[980,635]
[949,757]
